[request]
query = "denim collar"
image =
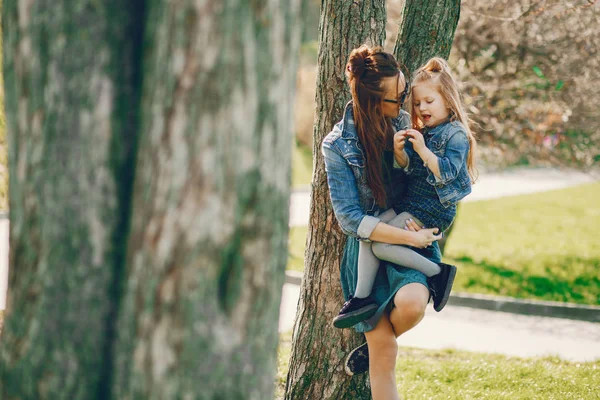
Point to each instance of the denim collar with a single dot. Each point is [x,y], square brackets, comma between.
[436,129]
[348,127]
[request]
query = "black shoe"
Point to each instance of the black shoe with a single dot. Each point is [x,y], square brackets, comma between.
[357,361]
[441,285]
[355,310]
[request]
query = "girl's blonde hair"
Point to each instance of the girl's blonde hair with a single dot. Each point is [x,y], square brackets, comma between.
[438,71]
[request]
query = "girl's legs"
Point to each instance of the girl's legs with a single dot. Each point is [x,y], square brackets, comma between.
[402,255]
[368,264]
[410,302]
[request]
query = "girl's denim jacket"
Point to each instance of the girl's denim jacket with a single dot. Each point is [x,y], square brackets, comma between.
[353,202]
[449,142]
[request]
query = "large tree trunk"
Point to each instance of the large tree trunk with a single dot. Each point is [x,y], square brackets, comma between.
[208,246]
[318,351]
[174,291]
[71,74]
[426,30]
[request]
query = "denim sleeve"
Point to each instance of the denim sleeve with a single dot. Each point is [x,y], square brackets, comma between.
[453,161]
[344,196]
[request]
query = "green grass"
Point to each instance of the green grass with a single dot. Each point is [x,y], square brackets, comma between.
[297,244]
[459,375]
[541,246]
[301,166]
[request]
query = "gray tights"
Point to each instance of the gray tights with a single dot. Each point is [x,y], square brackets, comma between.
[370,253]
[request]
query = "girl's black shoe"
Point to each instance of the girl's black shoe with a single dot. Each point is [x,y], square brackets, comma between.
[355,310]
[440,285]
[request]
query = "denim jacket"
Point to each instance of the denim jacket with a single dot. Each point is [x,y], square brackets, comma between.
[354,206]
[449,142]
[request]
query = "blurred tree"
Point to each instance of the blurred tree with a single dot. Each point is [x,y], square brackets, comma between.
[318,349]
[164,280]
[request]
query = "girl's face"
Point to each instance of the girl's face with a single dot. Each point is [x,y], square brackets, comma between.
[429,104]
[393,87]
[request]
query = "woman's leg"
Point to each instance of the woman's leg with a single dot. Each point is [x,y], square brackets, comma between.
[410,302]
[383,350]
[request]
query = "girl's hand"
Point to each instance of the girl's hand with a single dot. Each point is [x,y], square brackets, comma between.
[399,152]
[416,138]
[425,237]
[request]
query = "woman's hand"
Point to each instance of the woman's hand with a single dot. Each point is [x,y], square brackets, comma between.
[416,138]
[426,237]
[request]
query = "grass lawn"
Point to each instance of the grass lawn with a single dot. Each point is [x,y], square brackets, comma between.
[537,246]
[450,374]
[301,165]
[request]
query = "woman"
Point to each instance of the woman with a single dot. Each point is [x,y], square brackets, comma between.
[363,184]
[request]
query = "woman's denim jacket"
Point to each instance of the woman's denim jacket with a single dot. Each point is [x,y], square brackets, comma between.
[449,142]
[353,202]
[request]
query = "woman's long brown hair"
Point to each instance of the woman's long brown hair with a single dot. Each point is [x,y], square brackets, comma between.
[365,69]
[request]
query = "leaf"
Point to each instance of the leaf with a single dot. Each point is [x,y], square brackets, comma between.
[559,85]
[538,72]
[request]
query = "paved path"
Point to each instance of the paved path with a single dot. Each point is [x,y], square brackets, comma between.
[486,331]
[488,186]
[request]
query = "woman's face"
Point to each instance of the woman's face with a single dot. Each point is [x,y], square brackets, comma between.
[393,87]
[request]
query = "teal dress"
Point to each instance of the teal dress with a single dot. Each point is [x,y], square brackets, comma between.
[390,277]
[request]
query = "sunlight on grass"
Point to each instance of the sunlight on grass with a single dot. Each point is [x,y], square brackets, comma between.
[459,375]
[301,166]
[538,246]
[541,245]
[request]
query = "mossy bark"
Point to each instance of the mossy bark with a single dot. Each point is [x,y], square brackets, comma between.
[318,351]
[426,30]
[150,149]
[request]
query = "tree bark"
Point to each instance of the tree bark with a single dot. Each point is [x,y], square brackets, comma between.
[318,349]
[71,74]
[150,148]
[208,246]
[426,30]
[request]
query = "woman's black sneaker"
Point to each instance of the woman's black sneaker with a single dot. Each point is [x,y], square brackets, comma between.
[440,285]
[355,310]
[357,361]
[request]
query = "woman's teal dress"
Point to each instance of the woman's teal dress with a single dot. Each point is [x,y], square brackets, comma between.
[390,277]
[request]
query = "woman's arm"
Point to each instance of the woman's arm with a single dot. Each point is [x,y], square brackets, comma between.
[351,218]
[390,234]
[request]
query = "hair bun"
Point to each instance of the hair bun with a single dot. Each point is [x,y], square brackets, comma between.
[358,61]
[436,64]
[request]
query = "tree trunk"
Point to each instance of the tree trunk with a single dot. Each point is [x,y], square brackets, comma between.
[167,285]
[208,245]
[71,74]
[318,351]
[426,30]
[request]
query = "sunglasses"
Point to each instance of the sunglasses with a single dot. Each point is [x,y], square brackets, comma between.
[402,96]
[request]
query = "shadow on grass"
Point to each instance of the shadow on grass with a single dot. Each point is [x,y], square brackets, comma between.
[582,286]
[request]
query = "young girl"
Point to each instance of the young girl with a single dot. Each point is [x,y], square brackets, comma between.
[438,160]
